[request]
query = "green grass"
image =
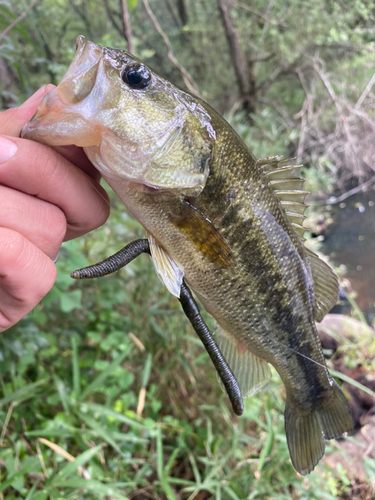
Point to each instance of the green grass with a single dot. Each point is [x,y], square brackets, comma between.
[106,392]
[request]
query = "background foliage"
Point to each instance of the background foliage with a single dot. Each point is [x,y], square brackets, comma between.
[108,372]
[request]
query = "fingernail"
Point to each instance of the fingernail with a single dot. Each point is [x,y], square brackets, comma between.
[57,257]
[7,149]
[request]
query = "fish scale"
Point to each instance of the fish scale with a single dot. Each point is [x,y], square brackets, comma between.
[230,225]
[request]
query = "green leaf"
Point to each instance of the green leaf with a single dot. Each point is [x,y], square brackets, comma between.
[147,370]
[61,389]
[23,394]
[31,491]
[70,301]
[352,382]
[34,464]
[159,453]
[104,411]
[267,448]
[132,4]
[71,467]
[167,489]
[75,366]
[100,431]
[95,486]
[98,381]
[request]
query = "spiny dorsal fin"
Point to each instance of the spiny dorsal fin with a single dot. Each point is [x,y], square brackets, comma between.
[287,185]
[252,373]
[166,268]
[285,181]
[326,285]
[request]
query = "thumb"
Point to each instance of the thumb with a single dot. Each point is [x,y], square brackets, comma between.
[12,120]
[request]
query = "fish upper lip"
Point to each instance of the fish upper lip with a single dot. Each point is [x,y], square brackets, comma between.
[52,118]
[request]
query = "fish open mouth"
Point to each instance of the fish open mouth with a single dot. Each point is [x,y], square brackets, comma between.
[63,116]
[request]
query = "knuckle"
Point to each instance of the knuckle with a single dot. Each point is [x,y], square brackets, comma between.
[56,225]
[44,162]
[12,246]
[96,214]
[48,273]
[26,276]
[102,211]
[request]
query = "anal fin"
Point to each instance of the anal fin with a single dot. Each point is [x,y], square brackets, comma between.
[252,373]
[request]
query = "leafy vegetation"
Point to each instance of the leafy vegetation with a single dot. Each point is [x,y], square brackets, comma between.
[109,372]
[105,390]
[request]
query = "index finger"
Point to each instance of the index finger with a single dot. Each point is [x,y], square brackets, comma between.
[40,171]
[12,120]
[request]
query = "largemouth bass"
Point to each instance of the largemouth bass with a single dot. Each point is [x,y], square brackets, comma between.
[230,225]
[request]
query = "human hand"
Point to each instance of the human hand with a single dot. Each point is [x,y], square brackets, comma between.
[47,196]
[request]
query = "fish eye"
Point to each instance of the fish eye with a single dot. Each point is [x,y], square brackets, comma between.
[136,76]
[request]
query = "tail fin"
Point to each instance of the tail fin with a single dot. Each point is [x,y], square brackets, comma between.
[336,417]
[306,433]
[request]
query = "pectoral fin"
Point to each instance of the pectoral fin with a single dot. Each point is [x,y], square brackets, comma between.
[166,268]
[200,231]
[252,373]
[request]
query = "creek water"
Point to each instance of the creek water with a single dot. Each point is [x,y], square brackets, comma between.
[349,242]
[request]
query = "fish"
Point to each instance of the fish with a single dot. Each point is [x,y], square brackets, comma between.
[227,223]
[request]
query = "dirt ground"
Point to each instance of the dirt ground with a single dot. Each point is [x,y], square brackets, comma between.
[352,453]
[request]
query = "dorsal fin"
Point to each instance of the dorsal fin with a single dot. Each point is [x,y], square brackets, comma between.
[287,185]
[285,181]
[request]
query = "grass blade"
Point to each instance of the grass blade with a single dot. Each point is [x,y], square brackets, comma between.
[147,370]
[92,485]
[27,468]
[104,411]
[23,394]
[100,432]
[97,382]
[61,389]
[352,382]
[159,453]
[75,366]
[72,467]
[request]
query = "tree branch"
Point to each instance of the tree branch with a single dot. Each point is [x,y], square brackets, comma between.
[338,199]
[127,27]
[186,76]
[19,19]
[182,12]
[82,14]
[365,92]
[263,16]
[111,17]
[246,84]
[279,109]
